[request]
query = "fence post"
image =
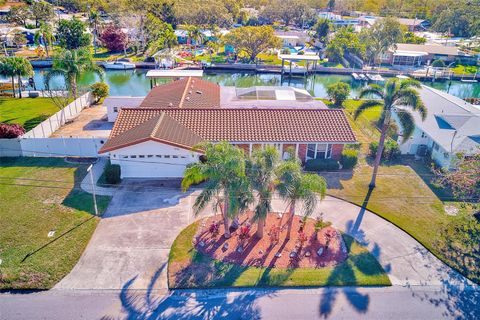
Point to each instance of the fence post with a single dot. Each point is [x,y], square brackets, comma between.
[50,122]
[43,131]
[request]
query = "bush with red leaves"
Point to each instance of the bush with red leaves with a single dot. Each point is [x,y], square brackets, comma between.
[113,38]
[10,131]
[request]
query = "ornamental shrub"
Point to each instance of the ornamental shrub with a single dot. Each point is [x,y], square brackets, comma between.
[321,165]
[338,92]
[10,131]
[391,149]
[349,158]
[112,173]
[99,90]
[113,38]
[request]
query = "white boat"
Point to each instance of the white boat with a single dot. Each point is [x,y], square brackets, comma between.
[356,76]
[469,80]
[362,76]
[402,77]
[119,65]
[376,77]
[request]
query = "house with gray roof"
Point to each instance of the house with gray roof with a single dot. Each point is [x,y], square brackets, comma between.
[452,126]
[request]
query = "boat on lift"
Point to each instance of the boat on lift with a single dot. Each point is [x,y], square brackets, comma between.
[119,65]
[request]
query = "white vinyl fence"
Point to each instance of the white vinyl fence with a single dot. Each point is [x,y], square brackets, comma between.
[36,143]
[49,126]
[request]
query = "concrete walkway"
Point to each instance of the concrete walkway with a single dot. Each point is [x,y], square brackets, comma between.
[97,171]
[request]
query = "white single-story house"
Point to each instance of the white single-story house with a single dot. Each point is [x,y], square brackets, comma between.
[115,103]
[452,126]
[293,38]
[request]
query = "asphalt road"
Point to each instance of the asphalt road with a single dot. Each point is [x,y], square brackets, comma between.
[419,302]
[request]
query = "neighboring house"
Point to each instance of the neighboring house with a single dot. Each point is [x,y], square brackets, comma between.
[293,38]
[414,24]
[407,54]
[157,138]
[452,126]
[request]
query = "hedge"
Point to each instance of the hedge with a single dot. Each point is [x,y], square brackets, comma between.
[112,173]
[349,158]
[321,165]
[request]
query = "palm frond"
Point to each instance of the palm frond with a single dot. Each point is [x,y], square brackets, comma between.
[193,175]
[204,198]
[407,123]
[372,90]
[51,74]
[409,97]
[410,83]
[365,105]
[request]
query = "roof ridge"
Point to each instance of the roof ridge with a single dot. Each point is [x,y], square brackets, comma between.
[233,109]
[184,92]
[155,129]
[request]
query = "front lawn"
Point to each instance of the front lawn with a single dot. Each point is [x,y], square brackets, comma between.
[28,112]
[39,195]
[188,268]
[406,195]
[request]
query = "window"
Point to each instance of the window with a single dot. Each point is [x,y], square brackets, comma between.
[321,151]
[175,157]
[150,156]
[311,151]
[183,157]
[158,156]
[124,157]
[133,157]
[141,156]
[166,157]
[115,109]
[436,146]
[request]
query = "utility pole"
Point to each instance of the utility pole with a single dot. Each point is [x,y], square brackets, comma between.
[89,169]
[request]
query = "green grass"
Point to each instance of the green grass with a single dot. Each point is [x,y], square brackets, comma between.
[406,195]
[28,112]
[460,69]
[29,210]
[196,270]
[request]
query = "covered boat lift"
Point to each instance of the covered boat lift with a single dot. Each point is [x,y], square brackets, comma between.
[153,75]
[309,59]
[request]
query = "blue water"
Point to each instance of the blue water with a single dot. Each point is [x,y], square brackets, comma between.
[134,82]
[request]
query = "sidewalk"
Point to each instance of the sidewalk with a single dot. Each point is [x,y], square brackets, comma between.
[97,171]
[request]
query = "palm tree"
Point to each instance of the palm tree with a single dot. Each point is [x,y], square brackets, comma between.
[395,95]
[7,69]
[261,172]
[16,66]
[295,186]
[195,34]
[94,18]
[70,64]
[45,35]
[226,184]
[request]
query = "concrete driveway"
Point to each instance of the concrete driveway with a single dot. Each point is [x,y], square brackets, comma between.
[131,244]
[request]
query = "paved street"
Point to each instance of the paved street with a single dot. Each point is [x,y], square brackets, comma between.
[122,273]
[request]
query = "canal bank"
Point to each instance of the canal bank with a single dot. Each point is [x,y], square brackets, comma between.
[135,83]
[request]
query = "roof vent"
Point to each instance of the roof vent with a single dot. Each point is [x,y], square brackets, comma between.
[170,104]
[189,91]
[187,98]
[199,92]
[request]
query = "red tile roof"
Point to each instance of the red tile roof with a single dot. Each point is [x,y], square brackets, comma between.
[237,125]
[184,93]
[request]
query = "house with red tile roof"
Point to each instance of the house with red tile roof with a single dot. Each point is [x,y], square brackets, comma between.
[158,138]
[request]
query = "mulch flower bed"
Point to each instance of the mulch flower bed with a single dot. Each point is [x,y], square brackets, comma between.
[306,248]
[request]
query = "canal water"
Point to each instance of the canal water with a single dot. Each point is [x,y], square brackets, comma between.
[134,82]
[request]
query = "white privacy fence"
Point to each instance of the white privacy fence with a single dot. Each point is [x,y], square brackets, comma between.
[36,143]
[49,126]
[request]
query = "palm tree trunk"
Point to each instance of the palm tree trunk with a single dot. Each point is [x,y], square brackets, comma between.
[13,86]
[225,220]
[260,227]
[381,144]
[19,86]
[46,47]
[291,214]
[73,86]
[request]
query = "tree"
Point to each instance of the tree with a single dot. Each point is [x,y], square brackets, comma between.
[464,180]
[71,34]
[44,35]
[203,13]
[226,183]
[344,40]
[113,38]
[322,28]
[410,37]
[70,64]
[94,19]
[42,12]
[19,15]
[338,92]
[19,67]
[252,40]
[195,34]
[383,35]
[159,35]
[331,5]
[458,18]
[395,95]
[10,131]
[261,170]
[99,90]
[287,11]
[439,63]
[165,11]
[19,39]
[295,186]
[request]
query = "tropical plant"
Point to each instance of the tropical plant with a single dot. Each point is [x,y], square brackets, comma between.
[226,183]
[70,64]
[16,66]
[94,19]
[322,28]
[398,96]
[44,35]
[195,35]
[295,186]
[261,170]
